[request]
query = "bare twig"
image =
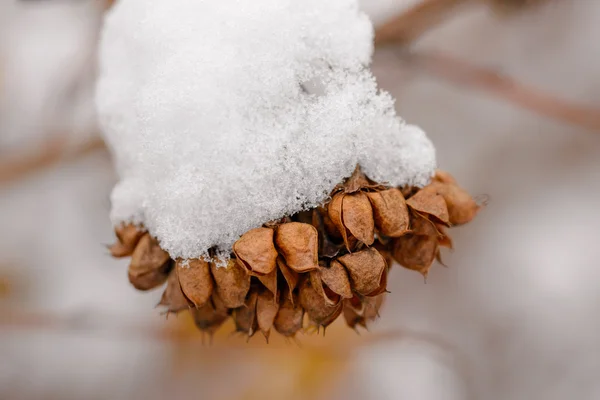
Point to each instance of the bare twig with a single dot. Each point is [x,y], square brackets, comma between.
[466,75]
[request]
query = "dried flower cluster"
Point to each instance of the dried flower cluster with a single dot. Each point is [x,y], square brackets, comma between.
[328,261]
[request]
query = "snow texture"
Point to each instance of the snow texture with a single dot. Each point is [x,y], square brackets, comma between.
[223,115]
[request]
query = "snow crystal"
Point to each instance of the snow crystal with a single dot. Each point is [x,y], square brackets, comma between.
[223,115]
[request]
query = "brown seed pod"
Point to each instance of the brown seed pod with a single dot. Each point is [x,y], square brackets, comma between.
[173,297]
[365,269]
[357,215]
[336,279]
[267,307]
[428,201]
[128,236]
[270,281]
[245,316]
[210,316]
[416,252]
[334,211]
[330,297]
[329,227]
[444,177]
[231,282]
[291,277]
[444,240]
[390,212]
[256,252]
[462,208]
[195,280]
[150,265]
[368,311]
[299,245]
[289,317]
[318,309]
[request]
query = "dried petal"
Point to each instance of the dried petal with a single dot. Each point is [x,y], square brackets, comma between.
[428,201]
[256,252]
[270,281]
[462,208]
[245,316]
[149,266]
[128,236]
[365,268]
[291,277]
[195,280]
[232,283]
[416,252]
[299,245]
[289,318]
[267,307]
[357,215]
[336,278]
[173,297]
[390,212]
[317,308]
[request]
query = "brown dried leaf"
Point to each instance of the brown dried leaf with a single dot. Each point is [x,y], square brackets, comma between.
[291,277]
[416,252]
[245,316]
[299,245]
[390,212]
[195,280]
[365,268]
[428,201]
[256,252]
[336,278]
[173,297]
[267,307]
[462,208]
[232,283]
[357,215]
[315,305]
[289,318]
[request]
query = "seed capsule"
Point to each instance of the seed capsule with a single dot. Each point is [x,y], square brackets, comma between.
[256,252]
[231,282]
[195,280]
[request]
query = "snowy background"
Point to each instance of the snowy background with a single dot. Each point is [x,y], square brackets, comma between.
[515,316]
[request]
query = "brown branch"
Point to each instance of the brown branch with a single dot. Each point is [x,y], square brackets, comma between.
[53,152]
[416,21]
[466,75]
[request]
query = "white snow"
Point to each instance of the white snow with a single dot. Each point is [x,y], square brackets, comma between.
[223,115]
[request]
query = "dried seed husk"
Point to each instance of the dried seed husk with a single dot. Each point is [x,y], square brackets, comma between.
[462,208]
[365,269]
[385,249]
[336,279]
[369,311]
[289,317]
[351,317]
[444,177]
[334,211]
[415,252]
[330,297]
[210,316]
[357,216]
[382,288]
[267,307]
[291,277]
[173,297]
[390,212]
[150,265]
[245,316]
[327,247]
[255,251]
[195,280]
[270,281]
[358,181]
[372,306]
[298,243]
[231,282]
[444,240]
[428,201]
[318,309]
[420,225]
[329,227]
[128,236]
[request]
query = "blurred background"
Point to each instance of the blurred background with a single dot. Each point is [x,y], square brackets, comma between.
[509,92]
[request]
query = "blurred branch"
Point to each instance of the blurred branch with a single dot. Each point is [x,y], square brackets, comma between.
[466,75]
[54,151]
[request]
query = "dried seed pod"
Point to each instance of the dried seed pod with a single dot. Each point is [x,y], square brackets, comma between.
[329,227]
[336,279]
[420,225]
[317,308]
[270,281]
[357,216]
[231,282]
[210,316]
[462,208]
[390,212]
[428,201]
[267,307]
[365,269]
[195,280]
[416,252]
[245,316]
[289,317]
[385,249]
[444,177]
[369,311]
[329,296]
[444,240]
[256,252]
[334,211]
[291,277]
[299,245]
[150,265]
[128,236]
[173,297]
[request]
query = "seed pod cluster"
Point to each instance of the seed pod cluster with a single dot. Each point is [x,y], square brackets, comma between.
[307,269]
